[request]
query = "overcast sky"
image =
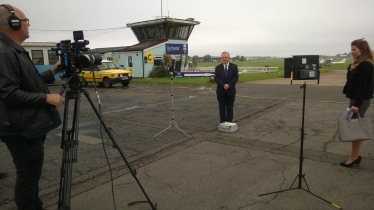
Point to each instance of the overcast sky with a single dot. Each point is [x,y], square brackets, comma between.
[241,27]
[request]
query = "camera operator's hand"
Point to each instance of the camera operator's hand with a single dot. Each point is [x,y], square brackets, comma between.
[53,68]
[55,99]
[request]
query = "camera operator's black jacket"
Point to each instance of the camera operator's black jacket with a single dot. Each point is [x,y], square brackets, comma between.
[22,90]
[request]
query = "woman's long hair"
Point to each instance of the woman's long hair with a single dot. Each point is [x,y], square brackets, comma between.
[366,53]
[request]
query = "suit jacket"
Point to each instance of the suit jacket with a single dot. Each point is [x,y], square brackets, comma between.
[221,79]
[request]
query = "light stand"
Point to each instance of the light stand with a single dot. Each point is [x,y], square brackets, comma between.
[173,122]
[301,158]
[69,143]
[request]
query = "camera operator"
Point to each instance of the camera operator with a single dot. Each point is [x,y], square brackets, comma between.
[28,111]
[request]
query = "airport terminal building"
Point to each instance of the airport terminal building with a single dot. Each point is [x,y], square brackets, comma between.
[157,38]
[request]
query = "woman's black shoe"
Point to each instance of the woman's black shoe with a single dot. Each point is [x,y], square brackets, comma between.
[355,162]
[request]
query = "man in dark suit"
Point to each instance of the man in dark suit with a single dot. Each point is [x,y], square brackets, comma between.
[226,75]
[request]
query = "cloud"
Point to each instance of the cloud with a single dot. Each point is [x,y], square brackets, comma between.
[268,27]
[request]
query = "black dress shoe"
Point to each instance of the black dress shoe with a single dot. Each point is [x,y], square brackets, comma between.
[355,162]
[3,175]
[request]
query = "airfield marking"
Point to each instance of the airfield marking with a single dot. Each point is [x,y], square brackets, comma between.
[290,99]
[86,139]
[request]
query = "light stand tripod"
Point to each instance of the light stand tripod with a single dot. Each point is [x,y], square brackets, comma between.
[173,122]
[301,158]
[69,143]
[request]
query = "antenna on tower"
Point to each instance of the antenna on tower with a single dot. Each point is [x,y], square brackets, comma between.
[161,9]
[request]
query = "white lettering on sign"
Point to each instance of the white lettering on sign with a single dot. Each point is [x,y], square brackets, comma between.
[173,48]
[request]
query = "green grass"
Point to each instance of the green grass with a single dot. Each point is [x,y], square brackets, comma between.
[242,77]
[259,76]
[255,63]
[188,81]
[278,63]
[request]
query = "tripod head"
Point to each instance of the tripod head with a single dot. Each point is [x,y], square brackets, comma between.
[74,81]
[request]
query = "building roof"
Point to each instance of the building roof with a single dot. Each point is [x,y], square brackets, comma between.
[39,44]
[141,46]
[163,28]
[188,21]
[106,49]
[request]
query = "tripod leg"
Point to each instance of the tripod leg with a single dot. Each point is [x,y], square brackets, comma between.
[176,125]
[282,190]
[162,131]
[108,131]
[333,204]
[64,165]
[69,144]
[306,183]
[294,181]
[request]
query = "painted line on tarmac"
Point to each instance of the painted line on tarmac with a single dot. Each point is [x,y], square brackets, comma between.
[120,110]
[291,99]
[86,139]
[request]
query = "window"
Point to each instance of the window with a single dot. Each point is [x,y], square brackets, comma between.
[178,31]
[37,57]
[129,59]
[152,31]
[184,32]
[173,31]
[159,63]
[161,31]
[146,32]
[140,33]
[52,57]
[149,32]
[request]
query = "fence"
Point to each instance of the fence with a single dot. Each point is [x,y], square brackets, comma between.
[209,71]
[257,69]
[241,69]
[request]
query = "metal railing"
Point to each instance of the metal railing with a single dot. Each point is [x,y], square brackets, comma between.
[209,71]
[257,69]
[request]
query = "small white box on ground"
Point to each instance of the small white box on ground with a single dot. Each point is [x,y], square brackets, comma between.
[227,127]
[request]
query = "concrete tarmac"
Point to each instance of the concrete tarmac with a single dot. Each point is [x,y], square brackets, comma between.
[212,170]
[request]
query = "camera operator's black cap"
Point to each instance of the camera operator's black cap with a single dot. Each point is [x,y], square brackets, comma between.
[13,20]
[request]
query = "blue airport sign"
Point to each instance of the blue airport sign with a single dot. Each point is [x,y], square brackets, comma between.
[176,49]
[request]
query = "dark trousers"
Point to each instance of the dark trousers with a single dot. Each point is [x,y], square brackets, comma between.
[28,159]
[361,109]
[226,108]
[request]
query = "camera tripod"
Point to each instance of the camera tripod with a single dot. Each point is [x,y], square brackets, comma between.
[69,143]
[301,176]
[173,122]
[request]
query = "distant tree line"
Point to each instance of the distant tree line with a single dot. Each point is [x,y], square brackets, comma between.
[341,55]
[209,58]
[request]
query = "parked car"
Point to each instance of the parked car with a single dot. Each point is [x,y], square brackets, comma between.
[106,75]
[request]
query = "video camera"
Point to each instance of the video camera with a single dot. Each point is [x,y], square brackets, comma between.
[72,59]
